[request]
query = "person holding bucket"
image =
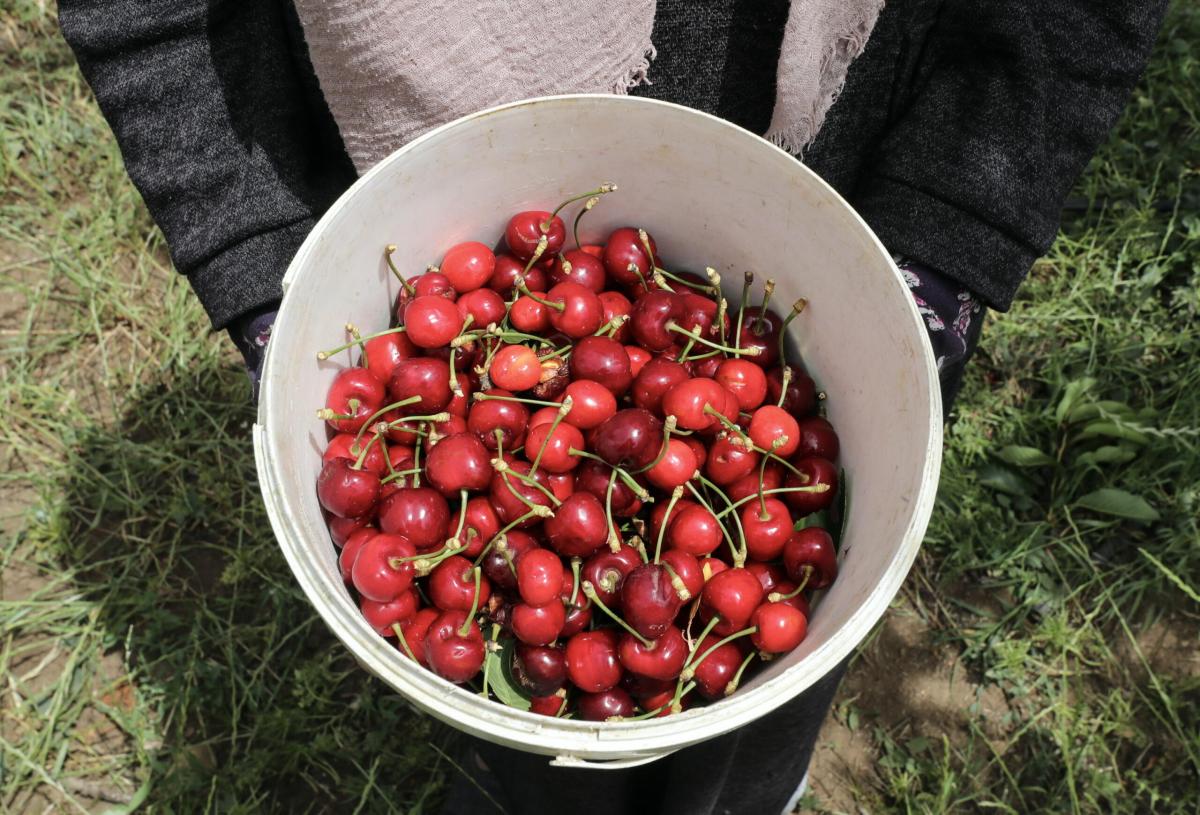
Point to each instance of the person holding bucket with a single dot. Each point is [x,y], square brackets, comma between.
[954,127]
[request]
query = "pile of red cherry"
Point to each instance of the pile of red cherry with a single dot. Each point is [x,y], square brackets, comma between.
[577,480]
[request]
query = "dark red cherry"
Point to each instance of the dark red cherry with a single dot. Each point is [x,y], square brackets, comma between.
[606,571]
[718,668]
[631,439]
[459,462]
[578,527]
[577,605]
[487,416]
[580,267]
[499,565]
[613,703]
[508,270]
[651,318]
[657,377]
[451,655]
[809,553]
[356,393]
[818,438]
[603,360]
[345,491]
[425,377]
[624,247]
[649,600]
[699,314]
[525,230]
[539,669]
[663,659]
[761,334]
[801,398]
[593,476]
[505,489]
[592,663]
[815,471]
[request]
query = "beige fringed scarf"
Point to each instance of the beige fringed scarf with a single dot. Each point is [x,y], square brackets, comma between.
[393,69]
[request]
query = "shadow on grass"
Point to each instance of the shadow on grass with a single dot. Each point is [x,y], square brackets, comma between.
[259,706]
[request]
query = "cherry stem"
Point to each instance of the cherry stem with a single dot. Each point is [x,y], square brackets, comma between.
[379,413]
[544,226]
[709,626]
[687,349]
[762,472]
[732,427]
[776,491]
[689,669]
[612,326]
[662,529]
[737,335]
[502,467]
[668,428]
[467,623]
[633,267]
[776,597]
[387,254]
[576,563]
[587,207]
[538,251]
[462,517]
[359,339]
[683,281]
[614,541]
[722,311]
[483,397]
[797,307]
[547,303]
[590,591]
[563,410]
[362,456]
[403,642]
[785,377]
[768,290]
[417,464]
[695,336]
[487,663]
[705,502]
[660,280]
[732,685]
[396,475]
[637,488]
[681,589]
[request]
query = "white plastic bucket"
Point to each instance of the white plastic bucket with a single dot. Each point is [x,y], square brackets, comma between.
[711,194]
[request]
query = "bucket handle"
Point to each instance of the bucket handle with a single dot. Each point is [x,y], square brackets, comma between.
[567,760]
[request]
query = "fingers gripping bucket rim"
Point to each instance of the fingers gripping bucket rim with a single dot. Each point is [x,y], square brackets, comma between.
[708,173]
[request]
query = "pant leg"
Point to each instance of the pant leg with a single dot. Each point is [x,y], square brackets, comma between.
[753,770]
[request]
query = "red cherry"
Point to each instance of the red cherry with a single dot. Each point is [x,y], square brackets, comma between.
[818,438]
[425,377]
[505,489]
[489,415]
[663,659]
[578,527]
[538,625]
[468,266]
[602,360]
[686,568]
[810,553]
[515,368]
[718,668]
[631,438]
[601,707]
[816,470]
[624,247]
[561,484]
[452,585]
[545,415]
[350,549]
[432,284]
[799,602]
[592,663]
[657,377]
[554,445]
[345,491]
[340,529]
[584,269]
[652,316]
[695,530]
[593,477]
[509,270]
[615,305]
[459,462]
[699,314]
[733,595]
[577,605]
[711,566]
[381,571]
[687,400]
[343,445]
[649,600]
[677,465]
[530,316]
[499,566]
[638,357]
[748,484]
[451,655]
[382,616]
[539,576]
[698,450]
[480,527]
[483,306]
[418,513]
[768,425]
[539,669]
[414,630]
[383,353]
[581,314]
[780,628]
[525,231]
[432,321]
[762,335]
[769,575]
[360,387]
[801,399]
[745,380]
[729,461]
[766,532]
[591,402]
[706,367]
[552,705]
[606,571]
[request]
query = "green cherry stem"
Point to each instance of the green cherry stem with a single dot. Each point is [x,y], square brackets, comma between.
[705,503]
[359,339]
[690,669]
[467,623]
[590,591]
[695,336]
[603,189]
[587,207]
[776,491]
[676,494]
[785,377]
[762,471]
[669,426]
[637,488]
[797,307]
[768,290]
[737,677]
[563,410]
[501,466]
[387,255]
[776,597]
[748,279]
[614,540]
[403,642]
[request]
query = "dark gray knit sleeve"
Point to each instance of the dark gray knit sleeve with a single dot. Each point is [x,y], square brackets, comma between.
[1009,102]
[234,156]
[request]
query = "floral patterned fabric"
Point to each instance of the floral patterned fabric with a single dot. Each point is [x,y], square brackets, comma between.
[250,334]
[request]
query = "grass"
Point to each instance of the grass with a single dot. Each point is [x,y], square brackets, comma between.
[158,653]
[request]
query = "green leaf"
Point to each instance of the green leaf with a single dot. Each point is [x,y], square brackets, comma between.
[1070,396]
[1113,430]
[1108,454]
[1094,410]
[1020,456]
[498,665]
[1112,501]
[1005,481]
[1170,575]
